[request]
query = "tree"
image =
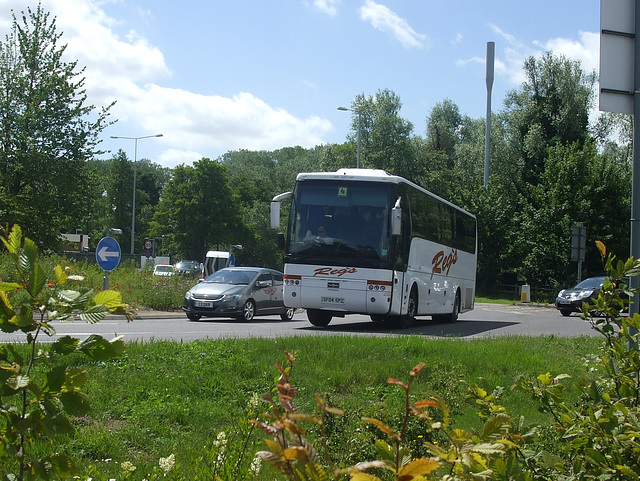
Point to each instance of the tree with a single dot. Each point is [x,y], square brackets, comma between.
[45,135]
[551,108]
[197,211]
[151,180]
[444,126]
[385,137]
[120,196]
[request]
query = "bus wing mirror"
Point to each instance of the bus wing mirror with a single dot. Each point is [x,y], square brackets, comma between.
[396,219]
[275,215]
[275,208]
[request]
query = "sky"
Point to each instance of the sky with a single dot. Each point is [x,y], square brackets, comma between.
[214,76]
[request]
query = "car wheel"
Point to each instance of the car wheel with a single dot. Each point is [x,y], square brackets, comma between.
[565,312]
[248,311]
[319,318]
[194,317]
[288,314]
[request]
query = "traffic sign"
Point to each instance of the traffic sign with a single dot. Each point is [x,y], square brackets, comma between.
[108,253]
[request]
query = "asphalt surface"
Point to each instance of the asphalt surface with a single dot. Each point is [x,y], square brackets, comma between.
[485,321]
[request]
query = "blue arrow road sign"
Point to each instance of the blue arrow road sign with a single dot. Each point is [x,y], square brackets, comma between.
[108,253]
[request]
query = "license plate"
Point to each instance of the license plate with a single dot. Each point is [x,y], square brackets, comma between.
[332,300]
[203,304]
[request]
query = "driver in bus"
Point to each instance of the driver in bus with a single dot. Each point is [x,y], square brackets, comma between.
[321,236]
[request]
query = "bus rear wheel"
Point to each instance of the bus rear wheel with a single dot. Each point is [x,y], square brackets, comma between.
[456,308]
[453,316]
[319,318]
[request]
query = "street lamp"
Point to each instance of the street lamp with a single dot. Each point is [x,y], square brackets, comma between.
[345,109]
[232,261]
[135,164]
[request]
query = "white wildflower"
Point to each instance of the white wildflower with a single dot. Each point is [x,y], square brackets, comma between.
[256,464]
[127,467]
[254,402]
[221,440]
[166,464]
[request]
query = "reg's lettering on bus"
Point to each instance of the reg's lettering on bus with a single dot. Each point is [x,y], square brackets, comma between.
[442,264]
[330,271]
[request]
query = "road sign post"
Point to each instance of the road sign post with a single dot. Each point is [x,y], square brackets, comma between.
[578,246]
[108,255]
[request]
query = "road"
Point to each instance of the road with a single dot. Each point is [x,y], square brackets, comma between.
[486,320]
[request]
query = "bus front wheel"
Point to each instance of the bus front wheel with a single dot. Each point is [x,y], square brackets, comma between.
[318,318]
[409,318]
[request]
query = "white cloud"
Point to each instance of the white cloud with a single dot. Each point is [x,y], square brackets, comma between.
[387,21]
[510,56]
[244,121]
[131,70]
[173,157]
[328,7]
[586,49]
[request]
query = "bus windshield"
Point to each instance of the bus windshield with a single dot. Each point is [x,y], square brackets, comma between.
[347,219]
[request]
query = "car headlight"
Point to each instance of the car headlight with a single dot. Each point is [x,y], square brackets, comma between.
[187,295]
[231,297]
[584,294]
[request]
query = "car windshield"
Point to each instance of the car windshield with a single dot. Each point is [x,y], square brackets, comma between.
[164,268]
[225,276]
[591,283]
[186,265]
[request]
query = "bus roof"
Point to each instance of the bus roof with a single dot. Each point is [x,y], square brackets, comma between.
[371,175]
[221,254]
[359,174]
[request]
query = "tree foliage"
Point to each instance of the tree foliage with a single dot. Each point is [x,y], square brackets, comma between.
[46,136]
[552,107]
[197,211]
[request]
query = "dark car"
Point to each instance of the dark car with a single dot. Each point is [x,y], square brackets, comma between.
[238,292]
[570,300]
[189,268]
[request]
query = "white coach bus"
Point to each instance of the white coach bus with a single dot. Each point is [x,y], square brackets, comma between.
[362,241]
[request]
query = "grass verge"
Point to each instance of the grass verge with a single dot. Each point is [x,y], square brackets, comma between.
[164,398]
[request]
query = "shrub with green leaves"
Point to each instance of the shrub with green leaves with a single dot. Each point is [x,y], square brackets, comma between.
[35,404]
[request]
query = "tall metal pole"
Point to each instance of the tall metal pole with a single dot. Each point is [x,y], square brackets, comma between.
[359,126]
[133,208]
[135,171]
[491,49]
[634,308]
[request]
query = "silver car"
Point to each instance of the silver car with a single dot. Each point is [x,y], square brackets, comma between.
[238,292]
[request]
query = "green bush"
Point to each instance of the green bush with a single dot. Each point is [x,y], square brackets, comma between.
[37,405]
